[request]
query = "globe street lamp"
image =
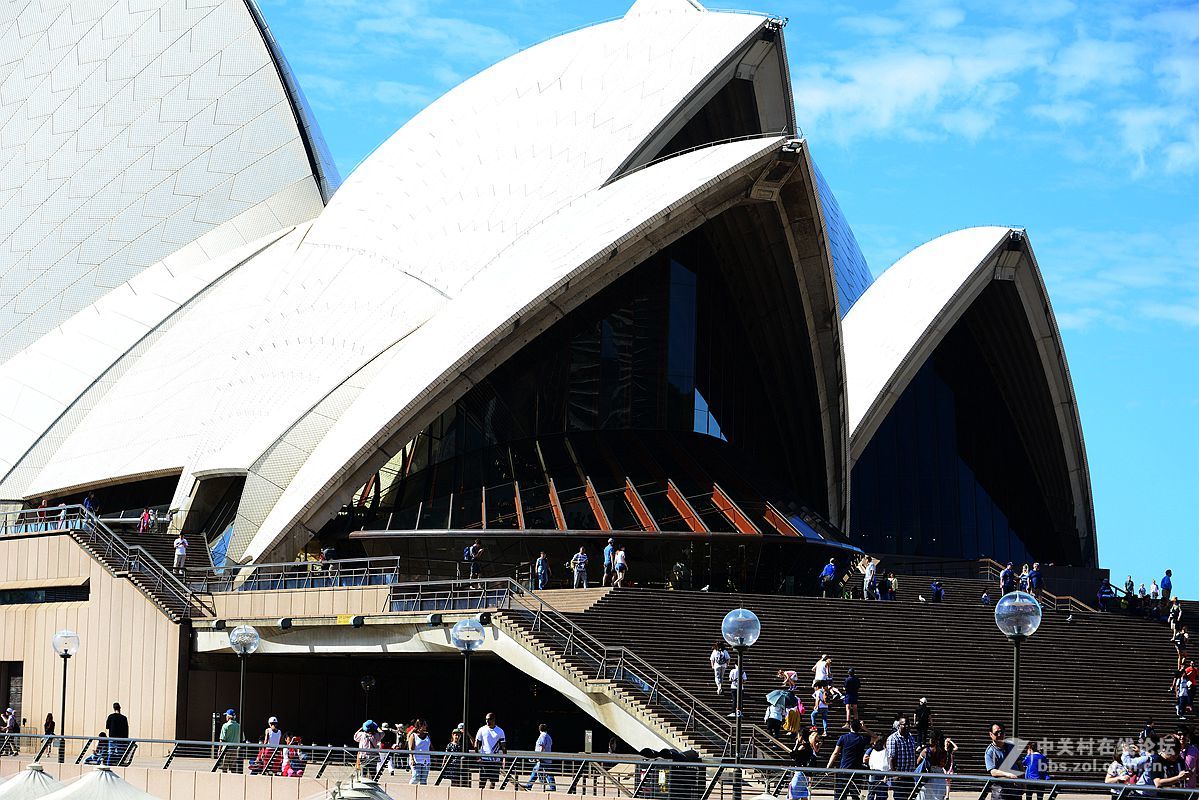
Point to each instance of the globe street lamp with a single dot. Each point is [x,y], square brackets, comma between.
[367,683]
[244,641]
[1017,615]
[740,629]
[66,644]
[467,635]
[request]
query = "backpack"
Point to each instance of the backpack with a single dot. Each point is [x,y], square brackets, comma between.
[466,554]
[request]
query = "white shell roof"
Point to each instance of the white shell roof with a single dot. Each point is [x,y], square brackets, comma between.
[521,278]
[220,381]
[100,784]
[904,307]
[127,131]
[30,783]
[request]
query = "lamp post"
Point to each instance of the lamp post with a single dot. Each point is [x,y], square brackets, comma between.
[1017,615]
[740,629]
[467,635]
[367,683]
[66,644]
[244,641]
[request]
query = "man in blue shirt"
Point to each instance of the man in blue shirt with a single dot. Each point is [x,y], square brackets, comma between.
[827,576]
[541,569]
[609,555]
[996,759]
[1035,581]
[1167,587]
[848,754]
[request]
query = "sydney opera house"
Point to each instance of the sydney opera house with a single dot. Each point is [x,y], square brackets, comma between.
[600,289]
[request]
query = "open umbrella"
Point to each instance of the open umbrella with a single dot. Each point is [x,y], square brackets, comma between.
[100,784]
[30,783]
[781,697]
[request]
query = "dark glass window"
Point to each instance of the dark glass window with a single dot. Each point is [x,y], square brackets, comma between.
[49,594]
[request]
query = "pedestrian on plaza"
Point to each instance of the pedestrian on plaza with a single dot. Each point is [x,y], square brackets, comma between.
[892,586]
[10,725]
[471,555]
[937,590]
[986,598]
[801,753]
[490,740]
[1164,769]
[876,761]
[117,725]
[719,659]
[543,768]
[996,759]
[828,578]
[1190,757]
[143,522]
[776,715]
[541,569]
[48,726]
[609,563]
[1167,586]
[934,761]
[1036,769]
[849,753]
[102,755]
[850,689]
[924,721]
[1130,593]
[180,546]
[578,566]
[901,757]
[820,708]
[738,679]
[1106,593]
[294,757]
[452,766]
[230,737]
[419,747]
[90,505]
[368,738]
[620,566]
[389,739]
[1024,579]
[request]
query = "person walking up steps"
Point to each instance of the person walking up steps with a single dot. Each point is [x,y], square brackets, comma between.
[720,662]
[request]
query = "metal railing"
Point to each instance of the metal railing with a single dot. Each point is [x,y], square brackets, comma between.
[338,573]
[667,775]
[155,580]
[627,672]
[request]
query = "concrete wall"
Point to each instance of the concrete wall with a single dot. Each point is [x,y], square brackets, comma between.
[300,603]
[130,651]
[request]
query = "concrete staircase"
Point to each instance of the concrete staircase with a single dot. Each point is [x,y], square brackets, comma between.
[617,674]
[1097,678]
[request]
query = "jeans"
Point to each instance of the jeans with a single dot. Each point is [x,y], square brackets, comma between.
[420,774]
[823,712]
[543,773]
[901,788]
[543,580]
[580,579]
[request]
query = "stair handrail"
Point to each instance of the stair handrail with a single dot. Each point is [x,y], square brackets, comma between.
[689,706]
[134,557]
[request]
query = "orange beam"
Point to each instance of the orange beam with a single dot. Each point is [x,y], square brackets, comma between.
[684,508]
[730,509]
[779,522]
[483,508]
[639,508]
[556,506]
[520,509]
[597,507]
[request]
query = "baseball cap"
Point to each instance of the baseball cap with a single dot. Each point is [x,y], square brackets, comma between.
[9,711]
[274,720]
[231,713]
[611,541]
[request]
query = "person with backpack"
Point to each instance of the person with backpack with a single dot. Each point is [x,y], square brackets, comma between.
[471,555]
[828,578]
[720,662]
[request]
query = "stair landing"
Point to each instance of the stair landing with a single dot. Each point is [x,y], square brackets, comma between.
[573,601]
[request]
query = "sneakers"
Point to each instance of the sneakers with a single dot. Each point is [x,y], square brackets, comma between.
[719,690]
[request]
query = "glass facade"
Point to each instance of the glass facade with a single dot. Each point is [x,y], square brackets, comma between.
[666,402]
[850,269]
[952,471]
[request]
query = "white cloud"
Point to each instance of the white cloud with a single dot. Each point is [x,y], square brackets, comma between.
[1186,314]
[1086,63]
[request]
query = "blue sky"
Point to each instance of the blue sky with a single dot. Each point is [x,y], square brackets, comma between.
[1076,120]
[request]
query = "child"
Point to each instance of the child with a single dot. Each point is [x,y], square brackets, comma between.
[1035,769]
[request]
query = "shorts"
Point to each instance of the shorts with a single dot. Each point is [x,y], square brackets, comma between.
[851,699]
[489,771]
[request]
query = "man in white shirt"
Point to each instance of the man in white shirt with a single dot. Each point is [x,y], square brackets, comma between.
[180,552]
[736,678]
[578,565]
[488,741]
[543,768]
